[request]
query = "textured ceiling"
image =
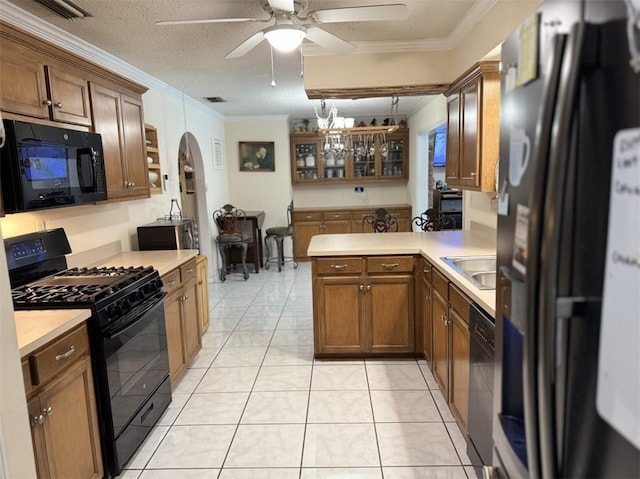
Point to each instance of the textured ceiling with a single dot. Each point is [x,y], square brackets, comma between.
[191,57]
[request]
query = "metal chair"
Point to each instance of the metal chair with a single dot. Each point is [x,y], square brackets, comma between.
[278,234]
[431,220]
[228,236]
[380,221]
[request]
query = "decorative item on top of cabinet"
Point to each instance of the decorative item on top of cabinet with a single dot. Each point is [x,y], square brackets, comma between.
[363,305]
[62,408]
[357,157]
[153,159]
[473,128]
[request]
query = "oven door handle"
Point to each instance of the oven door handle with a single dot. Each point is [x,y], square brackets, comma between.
[132,317]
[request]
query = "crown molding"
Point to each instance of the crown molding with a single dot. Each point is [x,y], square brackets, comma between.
[257,118]
[473,16]
[24,20]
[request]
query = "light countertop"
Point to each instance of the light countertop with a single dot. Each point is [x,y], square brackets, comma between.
[35,328]
[431,245]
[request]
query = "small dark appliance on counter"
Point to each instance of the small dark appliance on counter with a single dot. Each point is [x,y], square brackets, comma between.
[127,334]
[449,203]
[168,234]
[43,166]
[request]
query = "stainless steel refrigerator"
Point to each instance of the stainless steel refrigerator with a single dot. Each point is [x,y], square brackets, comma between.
[567,371]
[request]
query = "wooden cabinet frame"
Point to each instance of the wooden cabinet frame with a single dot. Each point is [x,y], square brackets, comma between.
[392,167]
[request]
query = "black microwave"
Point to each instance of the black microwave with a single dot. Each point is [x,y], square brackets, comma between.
[43,166]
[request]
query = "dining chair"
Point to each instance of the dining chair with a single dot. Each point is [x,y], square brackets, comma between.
[431,220]
[226,219]
[278,234]
[380,221]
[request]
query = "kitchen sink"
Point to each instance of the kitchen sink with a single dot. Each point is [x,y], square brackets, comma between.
[480,270]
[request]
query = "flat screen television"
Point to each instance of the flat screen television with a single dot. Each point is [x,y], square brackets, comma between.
[440,149]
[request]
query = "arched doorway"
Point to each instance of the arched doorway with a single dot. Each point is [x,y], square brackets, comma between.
[192,190]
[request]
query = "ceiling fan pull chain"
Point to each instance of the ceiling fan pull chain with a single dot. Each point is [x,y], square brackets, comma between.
[301,62]
[273,75]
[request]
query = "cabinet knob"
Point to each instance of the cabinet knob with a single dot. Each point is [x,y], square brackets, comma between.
[171,283]
[132,184]
[37,420]
[58,104]
[425,270]
[368,287]
[390,265]
[47,102]
[48,411]
[362,287]
[473,173]
[338,267]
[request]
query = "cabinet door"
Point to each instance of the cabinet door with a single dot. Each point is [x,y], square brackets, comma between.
[427,320]
[459,396]
[453,139]
[134,146]
[470,158]
[71,427]
[202,293]
[173,323]
[389,316]
[305,159]
[69,97]
[190,321]
[439,310]
[36,420]
[24,88]
[304,231]
[338,328]
[393,150]
[106,113]
[337,226]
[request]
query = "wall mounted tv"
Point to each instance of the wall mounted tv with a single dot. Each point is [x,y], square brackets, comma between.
[440,149]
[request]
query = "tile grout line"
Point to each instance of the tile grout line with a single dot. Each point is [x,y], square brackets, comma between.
[373,417]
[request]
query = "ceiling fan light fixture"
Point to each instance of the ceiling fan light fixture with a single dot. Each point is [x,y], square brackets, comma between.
[285,38]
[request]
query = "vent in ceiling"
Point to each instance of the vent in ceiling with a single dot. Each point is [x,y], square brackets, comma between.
[216,99]
[64,8]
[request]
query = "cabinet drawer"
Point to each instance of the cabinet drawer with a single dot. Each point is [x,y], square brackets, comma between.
[301,216]
[188,271]
[459,302]
[336,215]
[26,376]
[424,268]
[339,265]
[390,264]
[171,280]
[48,361]
[440,283]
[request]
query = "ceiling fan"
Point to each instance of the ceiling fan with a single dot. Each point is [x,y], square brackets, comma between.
[292,23]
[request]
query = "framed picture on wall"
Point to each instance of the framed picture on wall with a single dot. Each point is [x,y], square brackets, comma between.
[257,156]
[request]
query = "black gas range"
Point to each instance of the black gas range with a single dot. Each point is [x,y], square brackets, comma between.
[126,333]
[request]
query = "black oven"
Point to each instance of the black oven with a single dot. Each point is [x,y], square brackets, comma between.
[47,167]
[130,365]
[127,333]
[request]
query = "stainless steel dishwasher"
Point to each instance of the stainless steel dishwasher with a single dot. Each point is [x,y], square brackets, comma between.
[480,443]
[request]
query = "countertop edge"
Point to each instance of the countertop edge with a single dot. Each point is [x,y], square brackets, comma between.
[55,322]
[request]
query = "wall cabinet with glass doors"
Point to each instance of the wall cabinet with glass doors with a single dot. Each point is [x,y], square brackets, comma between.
[354,157]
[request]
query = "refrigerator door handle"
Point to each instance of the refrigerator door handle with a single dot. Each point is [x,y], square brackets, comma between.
[542,145]
[549,441]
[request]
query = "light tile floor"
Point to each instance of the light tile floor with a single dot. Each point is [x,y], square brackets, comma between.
[255,404]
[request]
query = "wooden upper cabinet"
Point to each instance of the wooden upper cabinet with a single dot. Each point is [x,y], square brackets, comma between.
[473,128]
[453,139]
[31,87]
[118,118]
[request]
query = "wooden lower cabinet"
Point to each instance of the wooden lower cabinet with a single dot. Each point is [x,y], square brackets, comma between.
[424,325]
[184,338]
[459,393]
[439,309]
[202,292]
[361,308]
[338,326]
[62,414]
[308,222]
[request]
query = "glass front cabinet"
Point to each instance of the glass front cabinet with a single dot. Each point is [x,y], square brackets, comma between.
[356,157]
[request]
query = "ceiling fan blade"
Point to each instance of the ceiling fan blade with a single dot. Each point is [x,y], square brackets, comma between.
[283,5]
[374,13]
[209,20]
[250,43]
[329,41]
